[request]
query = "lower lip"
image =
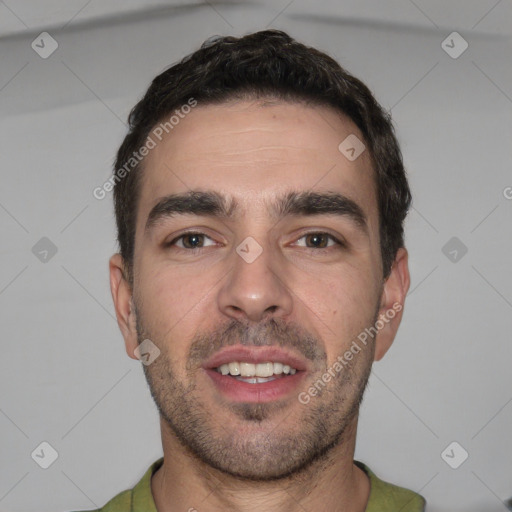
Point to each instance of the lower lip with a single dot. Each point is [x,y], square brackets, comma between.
[240,391]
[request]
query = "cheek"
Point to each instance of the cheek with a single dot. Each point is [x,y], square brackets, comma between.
[171,303]
[339,291]
[343,303]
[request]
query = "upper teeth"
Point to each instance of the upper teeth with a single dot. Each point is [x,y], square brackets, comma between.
[255,370]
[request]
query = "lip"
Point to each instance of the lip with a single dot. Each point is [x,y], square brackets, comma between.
[255,355]
[239,391]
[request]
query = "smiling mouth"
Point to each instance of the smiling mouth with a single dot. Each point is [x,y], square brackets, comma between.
[244,374]
[255,373]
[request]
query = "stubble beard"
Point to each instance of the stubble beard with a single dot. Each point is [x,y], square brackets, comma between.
[270,453]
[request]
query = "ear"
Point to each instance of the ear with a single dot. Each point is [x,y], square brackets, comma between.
[123,302]
[392,303]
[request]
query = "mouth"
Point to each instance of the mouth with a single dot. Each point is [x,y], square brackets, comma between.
[255,374]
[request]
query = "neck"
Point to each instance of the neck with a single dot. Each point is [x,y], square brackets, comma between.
[333,483]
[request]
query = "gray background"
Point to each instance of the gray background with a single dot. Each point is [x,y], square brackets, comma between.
[64,376]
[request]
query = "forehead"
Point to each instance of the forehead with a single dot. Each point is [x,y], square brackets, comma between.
[253,151]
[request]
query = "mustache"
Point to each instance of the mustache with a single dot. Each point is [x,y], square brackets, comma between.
[274,332]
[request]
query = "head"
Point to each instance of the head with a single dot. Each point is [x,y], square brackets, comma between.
[245,226]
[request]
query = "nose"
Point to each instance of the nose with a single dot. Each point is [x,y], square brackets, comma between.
[255,289]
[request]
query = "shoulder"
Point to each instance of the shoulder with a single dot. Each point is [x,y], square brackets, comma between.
[120,503]
[385,496]
[134,500]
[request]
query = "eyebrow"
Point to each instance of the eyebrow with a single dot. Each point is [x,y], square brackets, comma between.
[214,204]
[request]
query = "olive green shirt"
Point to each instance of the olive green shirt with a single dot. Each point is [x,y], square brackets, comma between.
[384,497]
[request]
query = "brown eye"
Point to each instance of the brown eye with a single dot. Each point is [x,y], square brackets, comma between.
[319,240]
[191,241]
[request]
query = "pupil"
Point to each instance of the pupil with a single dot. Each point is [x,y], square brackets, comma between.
[193,240]
[317,240]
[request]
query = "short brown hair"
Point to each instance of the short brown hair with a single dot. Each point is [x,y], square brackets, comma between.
[266,64]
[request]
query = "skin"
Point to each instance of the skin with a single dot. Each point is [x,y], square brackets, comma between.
[247,457]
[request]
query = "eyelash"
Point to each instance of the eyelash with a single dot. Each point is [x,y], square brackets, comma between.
[191,233]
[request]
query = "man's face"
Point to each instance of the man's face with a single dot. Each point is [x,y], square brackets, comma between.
[291,293]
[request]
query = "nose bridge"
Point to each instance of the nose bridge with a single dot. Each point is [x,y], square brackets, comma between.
[254,287]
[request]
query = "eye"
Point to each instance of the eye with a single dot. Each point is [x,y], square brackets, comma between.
[191,241]
[320,240]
